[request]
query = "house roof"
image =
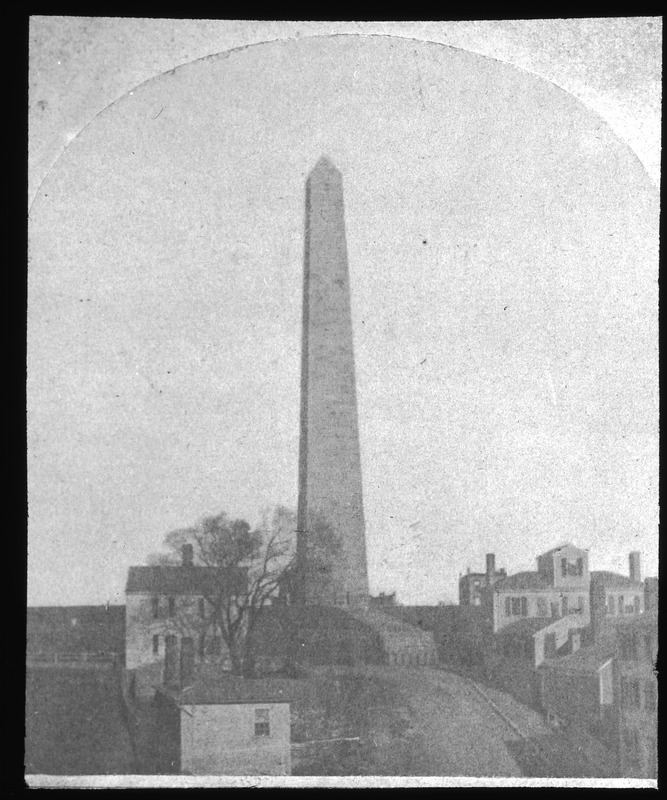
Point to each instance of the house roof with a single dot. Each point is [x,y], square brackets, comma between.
[523,581]
[529,625]
[234,690]
[173,580]
[64,614]
[613,580]
[560,547]
[586,659]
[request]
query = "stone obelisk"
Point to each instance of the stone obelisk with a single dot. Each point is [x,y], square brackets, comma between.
[331,535]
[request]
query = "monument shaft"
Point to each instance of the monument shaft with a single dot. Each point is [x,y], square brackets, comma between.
[331,531]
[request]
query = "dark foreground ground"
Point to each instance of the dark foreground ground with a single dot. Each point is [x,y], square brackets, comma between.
[349,721]
[74,722]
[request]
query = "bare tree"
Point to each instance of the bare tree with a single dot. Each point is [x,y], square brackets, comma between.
[245,570]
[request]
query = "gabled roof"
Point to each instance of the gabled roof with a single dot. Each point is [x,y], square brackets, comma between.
[233,690]
[528,625]
[561,547]
[523,581]
[586,659]
[614,580]
[174,580]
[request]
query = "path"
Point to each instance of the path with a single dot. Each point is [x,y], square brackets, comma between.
[454,729]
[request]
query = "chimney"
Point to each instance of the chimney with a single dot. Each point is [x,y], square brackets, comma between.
[187,555]
[635,567]
[490,568]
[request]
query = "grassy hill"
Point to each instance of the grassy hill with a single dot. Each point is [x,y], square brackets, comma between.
[424,721]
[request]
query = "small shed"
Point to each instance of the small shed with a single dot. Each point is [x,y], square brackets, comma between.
[236,727]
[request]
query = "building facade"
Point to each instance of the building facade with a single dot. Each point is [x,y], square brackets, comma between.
[637,649]
[234,727]
[560,587]
[473,584]
[169,630]
[615,597]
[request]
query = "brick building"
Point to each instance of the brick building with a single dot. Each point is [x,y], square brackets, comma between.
[581,689]
[637,648]
[614,597]
[473,584]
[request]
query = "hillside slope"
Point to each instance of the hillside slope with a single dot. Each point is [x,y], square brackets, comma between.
[427,721]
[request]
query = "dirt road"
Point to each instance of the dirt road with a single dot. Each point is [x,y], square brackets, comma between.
[453,729]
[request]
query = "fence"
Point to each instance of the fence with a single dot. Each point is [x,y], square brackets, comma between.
[69,659]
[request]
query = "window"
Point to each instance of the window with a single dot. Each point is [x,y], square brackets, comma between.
[508,606]
[542,608]
[202,645]
[563,567]
[172,606]
[262,724]
[638,602]
[621,604]
[565,605]
[155,607]
[156,645]
[611,606]
[580,566]
[581,605]
[516,606]
[202,607]
[524,606]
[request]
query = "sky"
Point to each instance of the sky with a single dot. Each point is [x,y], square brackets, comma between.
[502,243]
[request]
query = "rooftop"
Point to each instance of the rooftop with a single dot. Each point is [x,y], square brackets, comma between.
[614,580]
[56,614]
[560,547]
[586,659]
[523,581]
[173,580]
[234,690]
[526,626]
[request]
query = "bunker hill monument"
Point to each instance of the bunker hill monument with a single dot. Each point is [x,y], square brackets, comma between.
[330,493]
[332,598]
